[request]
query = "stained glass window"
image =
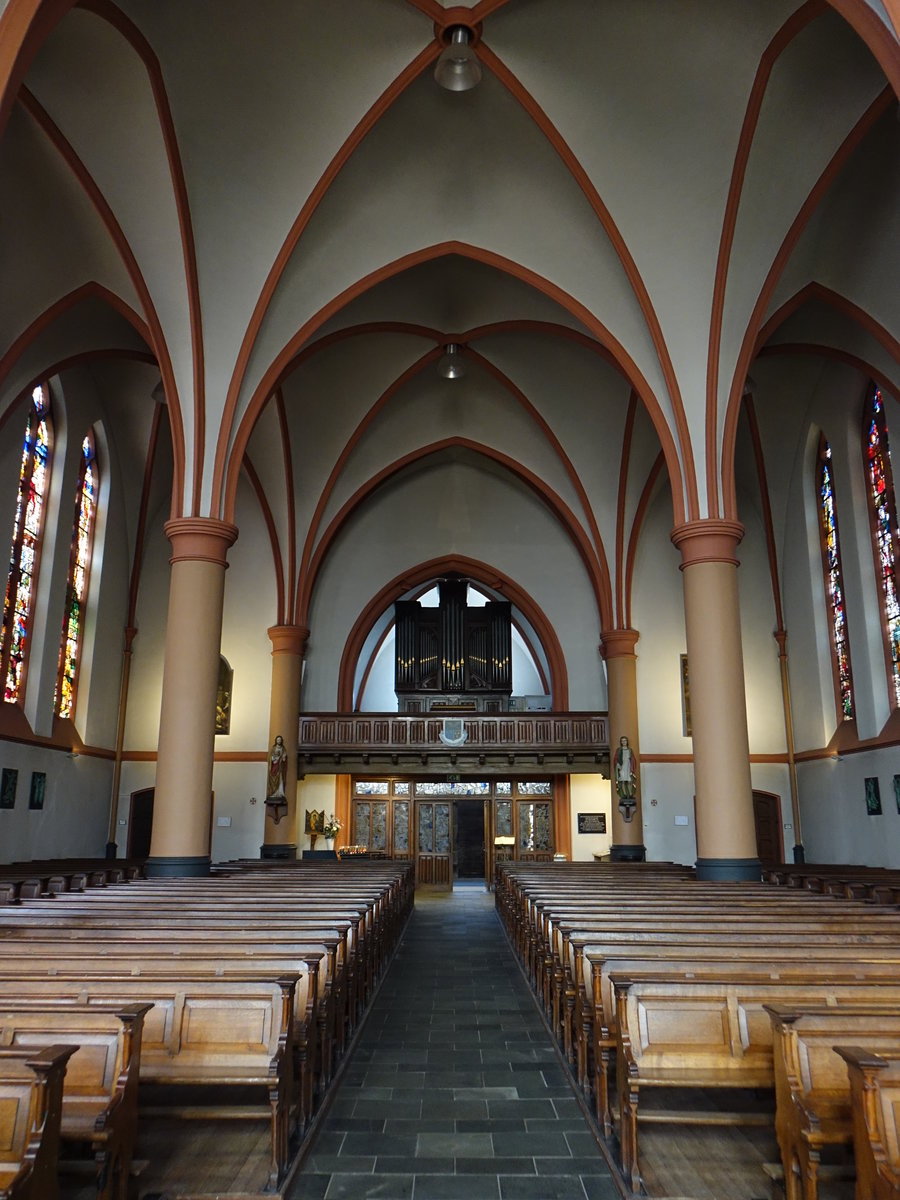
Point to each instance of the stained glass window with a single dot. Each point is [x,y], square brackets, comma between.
[34,476]
[76,588]
[883,511]
[834,582]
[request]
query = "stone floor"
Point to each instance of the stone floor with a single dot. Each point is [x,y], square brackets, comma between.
[454,1090]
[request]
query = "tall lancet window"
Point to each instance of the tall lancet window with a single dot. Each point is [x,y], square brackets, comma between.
[883,513]
[76,588]
[834,584]
[34,476]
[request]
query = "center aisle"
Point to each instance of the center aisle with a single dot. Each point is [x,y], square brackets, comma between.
[454,1090]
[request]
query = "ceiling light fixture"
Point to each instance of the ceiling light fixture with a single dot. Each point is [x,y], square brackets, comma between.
[451,364]
[458,68]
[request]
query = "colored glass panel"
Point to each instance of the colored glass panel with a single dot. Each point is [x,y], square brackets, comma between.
[26,540]
[401,827]
[82,540]
[884,530]
[834,582]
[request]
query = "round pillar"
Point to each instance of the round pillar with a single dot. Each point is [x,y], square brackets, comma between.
[726,833]
[288,646]
[617,648]
[181,809]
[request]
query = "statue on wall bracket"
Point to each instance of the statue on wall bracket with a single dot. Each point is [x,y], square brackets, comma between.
[625,768]
[276,777]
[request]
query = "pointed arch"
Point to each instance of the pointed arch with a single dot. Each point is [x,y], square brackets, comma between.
[600,582]
[478,572]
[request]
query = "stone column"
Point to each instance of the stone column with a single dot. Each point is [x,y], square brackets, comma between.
[617,649]
[726,833]
[181,808]
[288,646]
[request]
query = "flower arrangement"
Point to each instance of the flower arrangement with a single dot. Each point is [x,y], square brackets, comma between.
[332,827]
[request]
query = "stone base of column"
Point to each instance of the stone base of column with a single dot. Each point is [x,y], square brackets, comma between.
[628,853]
[280,850]
[724,869]
[112,850]
[799,853]
[176,868]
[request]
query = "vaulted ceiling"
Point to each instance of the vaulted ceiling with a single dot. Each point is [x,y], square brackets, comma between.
[277,205]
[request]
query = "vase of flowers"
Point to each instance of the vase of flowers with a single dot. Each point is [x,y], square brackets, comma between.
[331,829]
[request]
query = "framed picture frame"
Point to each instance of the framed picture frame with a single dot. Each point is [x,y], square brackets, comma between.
[873,796]
[9,782]
[36,792]
[685,696]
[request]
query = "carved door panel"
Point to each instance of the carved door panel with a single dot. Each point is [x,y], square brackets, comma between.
[535,830]
[434,844]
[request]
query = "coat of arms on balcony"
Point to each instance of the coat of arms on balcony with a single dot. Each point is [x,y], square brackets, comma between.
[454,732]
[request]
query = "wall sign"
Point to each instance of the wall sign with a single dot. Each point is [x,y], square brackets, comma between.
[592,822]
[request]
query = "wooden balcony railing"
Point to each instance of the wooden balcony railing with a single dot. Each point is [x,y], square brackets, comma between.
[542,743]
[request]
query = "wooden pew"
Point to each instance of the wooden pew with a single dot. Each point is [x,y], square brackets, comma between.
[31,1085]
[191,939]
[812,1093]
[223,1033]
[99,1105]
[690,1033]
[875,1098]
[38,975]
[833,963]
[693,933]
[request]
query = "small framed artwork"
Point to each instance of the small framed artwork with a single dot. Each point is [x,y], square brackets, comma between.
[897,791]
[9,781]
[38,785]
[873,797]
[685,697]
[223,696]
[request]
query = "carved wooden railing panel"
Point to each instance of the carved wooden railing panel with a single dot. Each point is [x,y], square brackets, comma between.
[549,740]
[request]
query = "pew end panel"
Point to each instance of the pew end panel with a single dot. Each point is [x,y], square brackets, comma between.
[31,1084]
[875,1095]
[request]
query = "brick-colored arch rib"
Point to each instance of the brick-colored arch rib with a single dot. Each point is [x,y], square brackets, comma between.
[229,468]
[157,339]
[556,505]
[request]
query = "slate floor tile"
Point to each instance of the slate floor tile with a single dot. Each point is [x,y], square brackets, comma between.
[468,1145]
[456,1187]
[598,1188]
[379,1187]
[554,1187]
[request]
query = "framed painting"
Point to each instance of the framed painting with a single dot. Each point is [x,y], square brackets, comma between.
[8,784]
[38,786]
[873,797]
[685,696]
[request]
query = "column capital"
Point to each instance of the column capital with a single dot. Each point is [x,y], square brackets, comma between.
[709,540]
[203,539]
[618,643]
[288,639]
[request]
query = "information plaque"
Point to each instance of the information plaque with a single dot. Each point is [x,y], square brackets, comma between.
[592,822]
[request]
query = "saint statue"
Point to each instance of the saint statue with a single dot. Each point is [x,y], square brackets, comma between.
[625,767]
[276,797]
